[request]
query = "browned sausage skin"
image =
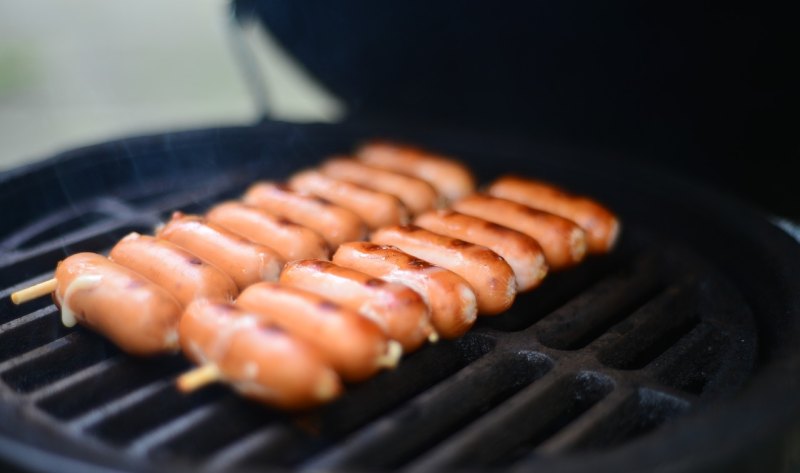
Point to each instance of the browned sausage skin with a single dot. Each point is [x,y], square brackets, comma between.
[395,307]
[376,209]
[181,273]
[137,315]
[260,361]
[336,224]
[416,194]
[290,240]
[601,226]
[488,273]
[354,345]
[450,178]
[451,300]
[520,251]
[244,261]
[562,240]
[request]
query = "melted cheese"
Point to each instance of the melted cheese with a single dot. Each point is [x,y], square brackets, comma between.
[86,281]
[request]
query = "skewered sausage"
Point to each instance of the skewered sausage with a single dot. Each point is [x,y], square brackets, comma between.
[355,346]
[601,226]
[376,209]
[181,273]
[336,224]
[450,178]
[395,307]
[488,273]
[260,361]
[290,240]
[244,261]
[450,298]
[416,194]
[137,315]
[520,251]
[563,241]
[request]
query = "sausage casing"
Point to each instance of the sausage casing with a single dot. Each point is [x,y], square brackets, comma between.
[395,307]
[290,240]
[452,301]
[450,178]
[260,361]
[376,209]
[601,226]
[354,345]
[487,272]
[133,312]
[244,261]
[416,194]
[336,224]
[562,240]
[181,273]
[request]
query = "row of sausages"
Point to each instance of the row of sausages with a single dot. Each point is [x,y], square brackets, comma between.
[288,343]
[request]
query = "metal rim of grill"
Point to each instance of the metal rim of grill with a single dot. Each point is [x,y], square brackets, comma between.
[630,360]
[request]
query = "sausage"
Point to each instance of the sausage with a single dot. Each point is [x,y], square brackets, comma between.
[290,240]
[487,272]
[181,273]
[563,241]
[450,298]
[399,310]
[355,346]
[241,259]
[416,194]
[601,226]
[137,315]
[260,361]
[450,178]
[520,251]
[336,224]
[376,209]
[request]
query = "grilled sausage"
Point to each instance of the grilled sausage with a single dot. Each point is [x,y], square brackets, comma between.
[488,273]
[355,346]
[601,226]
[244,261]
[520,251]
[290,240]
[563,242]
[181,273]
[336,224]
[376,209]
[416,194]
[260,361]
[395,307]
[450,178]
[137,315]
[450,298]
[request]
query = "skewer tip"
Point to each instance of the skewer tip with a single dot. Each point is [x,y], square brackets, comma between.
[34,292]
[197,378]
[390,359]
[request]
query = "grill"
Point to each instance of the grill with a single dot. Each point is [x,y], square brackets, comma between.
[678,349]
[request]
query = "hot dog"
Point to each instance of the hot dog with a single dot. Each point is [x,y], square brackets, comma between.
[395,307]
[451,300]
[376,209]
[601,226]
[488,273]
[260,361]
[290,240]
[416,194]
[244,261]
[520,251]
[563,241]
[355,346]
[181,273]
[137,315]
[336,224]
[450,178]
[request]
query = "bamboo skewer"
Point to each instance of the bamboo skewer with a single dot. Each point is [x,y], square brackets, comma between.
[34,292]
[198,377]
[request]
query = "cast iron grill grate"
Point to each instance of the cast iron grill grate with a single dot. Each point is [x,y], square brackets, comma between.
[596,358]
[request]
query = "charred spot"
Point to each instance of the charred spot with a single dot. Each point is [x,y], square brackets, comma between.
[371,247]
[494,226]
[321,201]
[418,263]
[282,187]
[284,221]
[456,243]
[328,306]
[195,261]
[410,228]
[374,282]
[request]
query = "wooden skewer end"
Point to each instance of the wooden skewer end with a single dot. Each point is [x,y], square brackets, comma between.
[197,378]
[34,292]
